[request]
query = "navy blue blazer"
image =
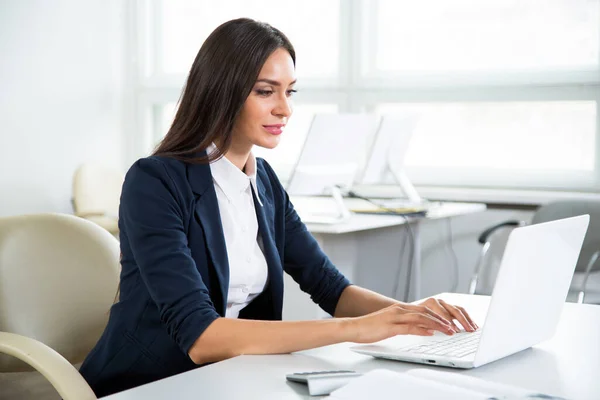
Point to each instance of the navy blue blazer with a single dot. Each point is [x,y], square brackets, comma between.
[175,272]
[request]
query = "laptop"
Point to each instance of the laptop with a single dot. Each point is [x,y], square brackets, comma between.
[531,287]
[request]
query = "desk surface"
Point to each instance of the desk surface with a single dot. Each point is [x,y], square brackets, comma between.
[361,222]
[566,365]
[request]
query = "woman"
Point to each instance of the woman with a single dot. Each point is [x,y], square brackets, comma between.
[207,231]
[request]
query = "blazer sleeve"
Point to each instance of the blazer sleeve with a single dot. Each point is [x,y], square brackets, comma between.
[152,215]
[304,260]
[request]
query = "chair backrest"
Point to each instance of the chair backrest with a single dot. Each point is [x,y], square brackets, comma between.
[97,190]
[570,208]
[58,278]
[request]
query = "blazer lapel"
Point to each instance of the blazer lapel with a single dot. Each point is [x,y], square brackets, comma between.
[208,215]
[271,254]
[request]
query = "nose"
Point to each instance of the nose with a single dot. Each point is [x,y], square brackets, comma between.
[283,108]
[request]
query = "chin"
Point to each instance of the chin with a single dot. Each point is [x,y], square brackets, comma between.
[268,143]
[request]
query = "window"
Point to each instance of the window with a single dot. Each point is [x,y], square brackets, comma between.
[164,115]
[495,35]
[512,142]
[184,24]
[508,91]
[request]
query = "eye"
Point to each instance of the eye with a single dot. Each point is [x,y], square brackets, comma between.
[264,93]
[290,92]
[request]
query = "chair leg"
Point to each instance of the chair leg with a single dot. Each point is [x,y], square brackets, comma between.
[478,267]
[588,269]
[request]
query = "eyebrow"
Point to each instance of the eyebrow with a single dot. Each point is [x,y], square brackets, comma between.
[274,83]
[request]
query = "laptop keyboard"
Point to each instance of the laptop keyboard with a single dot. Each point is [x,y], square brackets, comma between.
[459,345]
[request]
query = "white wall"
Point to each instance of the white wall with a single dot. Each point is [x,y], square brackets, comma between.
[61,95]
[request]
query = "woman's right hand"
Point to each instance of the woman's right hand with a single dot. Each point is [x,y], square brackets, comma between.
[397,319]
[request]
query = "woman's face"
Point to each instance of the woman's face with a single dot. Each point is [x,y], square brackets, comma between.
[268,107]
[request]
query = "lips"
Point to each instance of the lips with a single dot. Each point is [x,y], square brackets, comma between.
[276,129]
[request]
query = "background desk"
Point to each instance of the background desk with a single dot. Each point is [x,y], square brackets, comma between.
[373,251]
[566,365]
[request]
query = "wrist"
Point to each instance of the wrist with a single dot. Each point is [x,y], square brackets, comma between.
[348,328]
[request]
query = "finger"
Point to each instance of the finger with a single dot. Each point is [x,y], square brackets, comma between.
[438,308]
[400,307]
[432,313]
[413,330]
[410,308]
[456,313]
[424,321]
[468,317]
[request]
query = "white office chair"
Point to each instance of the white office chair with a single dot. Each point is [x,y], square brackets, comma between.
[58,279]
[96,195]
[589,259]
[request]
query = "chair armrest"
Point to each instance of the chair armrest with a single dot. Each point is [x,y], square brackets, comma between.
[483,238]
[63,376]
[109,223]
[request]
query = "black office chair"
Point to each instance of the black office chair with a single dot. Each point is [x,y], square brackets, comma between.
[589,259]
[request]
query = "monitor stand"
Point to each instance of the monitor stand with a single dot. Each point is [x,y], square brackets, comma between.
[405,184]
[342,213]
[407,187]
[336,193]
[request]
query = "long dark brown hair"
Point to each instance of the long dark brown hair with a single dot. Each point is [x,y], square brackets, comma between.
[221,78]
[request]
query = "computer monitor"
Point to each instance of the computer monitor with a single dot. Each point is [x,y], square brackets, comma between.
[331,155]
[388,152]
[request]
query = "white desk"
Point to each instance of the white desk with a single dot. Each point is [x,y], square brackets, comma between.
[363,222]
[567,365]
[372,251]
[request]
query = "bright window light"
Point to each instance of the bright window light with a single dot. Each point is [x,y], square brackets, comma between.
[538,136]
[163,118]
[486,36]
[311,25]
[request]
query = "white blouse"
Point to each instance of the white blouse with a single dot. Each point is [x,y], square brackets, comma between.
[247,265]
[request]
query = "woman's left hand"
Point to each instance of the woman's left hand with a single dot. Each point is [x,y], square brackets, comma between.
[451,313]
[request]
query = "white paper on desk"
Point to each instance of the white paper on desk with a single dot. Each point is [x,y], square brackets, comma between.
[425,384]
[383,384]
[499,390]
